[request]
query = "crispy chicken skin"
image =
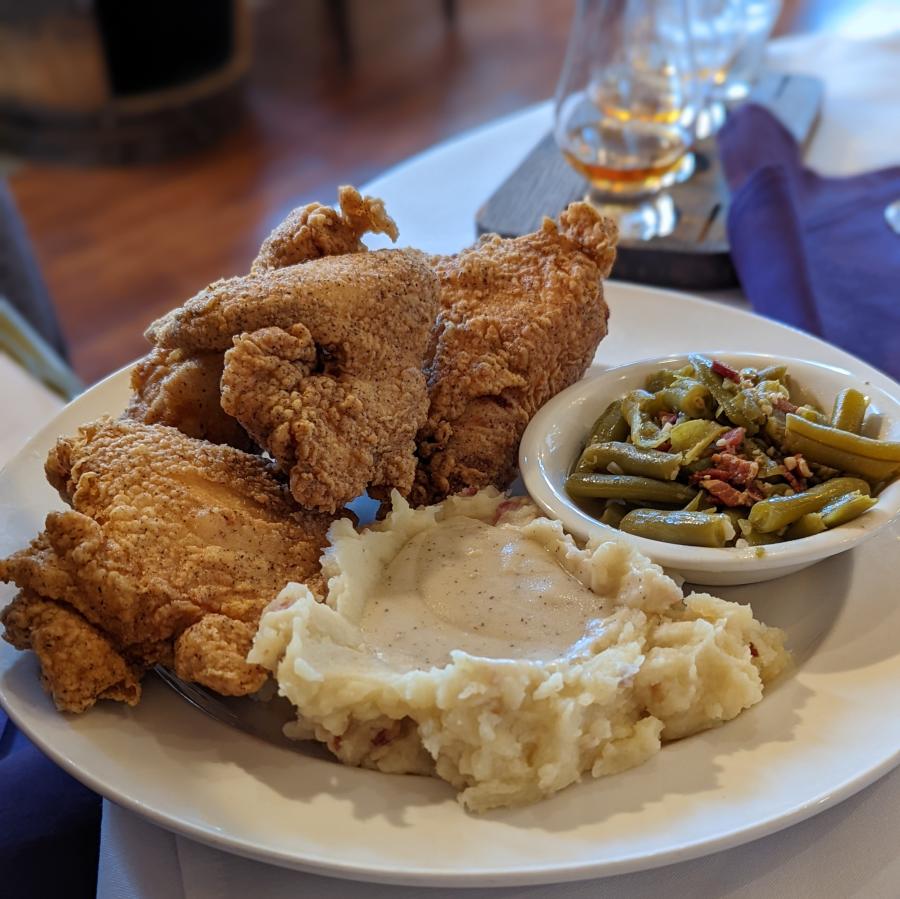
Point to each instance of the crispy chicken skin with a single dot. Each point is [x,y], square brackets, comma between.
[325,369]
[520,320]
[164,530]
[337,397]
[315,230]
[333,296]
[213,652]
[79,664]
[180,386]
[182,389]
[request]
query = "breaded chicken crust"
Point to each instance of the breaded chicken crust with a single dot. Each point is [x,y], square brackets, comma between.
[183,389]
[313,231]
[163,531]
[79,664]
[337,397]
[520,320]
[180,387]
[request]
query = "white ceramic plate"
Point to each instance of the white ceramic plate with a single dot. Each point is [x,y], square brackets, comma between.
[826,730]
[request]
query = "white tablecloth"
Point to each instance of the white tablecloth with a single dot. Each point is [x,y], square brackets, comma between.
[848,851]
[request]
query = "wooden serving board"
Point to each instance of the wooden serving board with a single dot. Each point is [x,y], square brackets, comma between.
[695,255]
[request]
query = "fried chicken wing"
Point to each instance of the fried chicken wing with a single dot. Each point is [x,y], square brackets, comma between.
[164,530]
[315,230]
[180,386]
[520,320]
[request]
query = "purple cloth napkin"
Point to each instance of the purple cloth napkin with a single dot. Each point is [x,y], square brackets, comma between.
[813,252]
[49,824]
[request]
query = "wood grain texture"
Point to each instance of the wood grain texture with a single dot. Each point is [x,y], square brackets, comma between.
[119,246]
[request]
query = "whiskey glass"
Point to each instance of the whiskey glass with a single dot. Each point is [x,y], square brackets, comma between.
[627,105]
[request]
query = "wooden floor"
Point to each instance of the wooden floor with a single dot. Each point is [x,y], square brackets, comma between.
[119,246]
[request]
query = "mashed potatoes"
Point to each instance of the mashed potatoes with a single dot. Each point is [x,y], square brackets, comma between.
[475,641]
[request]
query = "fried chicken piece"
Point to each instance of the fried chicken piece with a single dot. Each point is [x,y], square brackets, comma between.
[78,663]
[520,320]
[325,369]
[180,387]
[337,428]
[213,652]
[164,530]
[332,296]
[313,231]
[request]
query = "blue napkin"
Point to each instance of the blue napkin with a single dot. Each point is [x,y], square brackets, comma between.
[813,252]
[49,824]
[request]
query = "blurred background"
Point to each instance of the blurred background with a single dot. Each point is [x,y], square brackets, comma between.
[147,149]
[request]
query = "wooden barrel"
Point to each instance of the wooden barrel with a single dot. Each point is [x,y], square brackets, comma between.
[114,82]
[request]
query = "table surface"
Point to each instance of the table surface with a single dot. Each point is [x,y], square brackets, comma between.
[120,245]
[851,850]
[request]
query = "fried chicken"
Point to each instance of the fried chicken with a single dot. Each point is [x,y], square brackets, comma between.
[326,366]
[167,536]
[79,664]
[315,230]
[337,398]
[520,320]
[182,389]
[180,386]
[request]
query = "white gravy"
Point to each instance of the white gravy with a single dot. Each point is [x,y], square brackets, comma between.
[464,584]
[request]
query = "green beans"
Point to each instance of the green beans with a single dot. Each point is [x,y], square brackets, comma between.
[849,410]
[733,403]
[610,425]
[875,460]
[661,379]
[613,513]
[583,485]
[666,377]
[686,528]
[638,407]
[688,396]
[696,504]
[777,474]
[692,438]
[810,413]
[840,511]
[631,460]
[846,508]
[758,538]
[772,373]
[806,526]
[779,511]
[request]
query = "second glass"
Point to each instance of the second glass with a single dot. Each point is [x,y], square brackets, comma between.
[627,104]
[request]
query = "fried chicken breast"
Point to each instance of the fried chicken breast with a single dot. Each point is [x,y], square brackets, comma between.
[325,369]
[170,551]
[520,320]
[180,386]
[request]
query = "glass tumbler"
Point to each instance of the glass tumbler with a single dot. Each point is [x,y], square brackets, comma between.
[717,30]
[626,107]
[759,20]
